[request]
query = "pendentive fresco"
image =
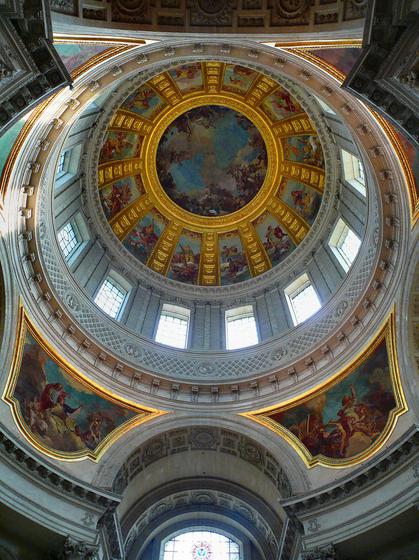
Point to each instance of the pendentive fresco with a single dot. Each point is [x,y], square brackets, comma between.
[60,413]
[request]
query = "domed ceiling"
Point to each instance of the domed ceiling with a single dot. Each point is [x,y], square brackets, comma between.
[211,173]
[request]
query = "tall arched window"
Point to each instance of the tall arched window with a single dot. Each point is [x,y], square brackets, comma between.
[200,545]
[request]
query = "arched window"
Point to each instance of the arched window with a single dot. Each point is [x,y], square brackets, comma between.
[200,545]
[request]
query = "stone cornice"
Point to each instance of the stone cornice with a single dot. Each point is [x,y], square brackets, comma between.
[403,449]
[43,474]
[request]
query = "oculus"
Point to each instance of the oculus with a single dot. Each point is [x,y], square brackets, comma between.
[211,160]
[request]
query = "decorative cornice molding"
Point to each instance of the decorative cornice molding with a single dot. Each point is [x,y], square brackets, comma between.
[362,478]
[41,473]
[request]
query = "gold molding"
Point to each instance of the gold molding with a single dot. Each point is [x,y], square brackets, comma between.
[295,225]
[112,171]
[127,121]
[95,39]
[322,44]
[144,414]
[175,102]
[209,263]
[221,223]
[126,219]
[297,124]
[390,131]
[161,256]
[387,333]
[257,257]
[318,62]
[308,174]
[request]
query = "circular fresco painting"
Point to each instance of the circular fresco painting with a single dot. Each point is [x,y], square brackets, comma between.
[211,160]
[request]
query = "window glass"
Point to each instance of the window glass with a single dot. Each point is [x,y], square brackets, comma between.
[302,298]
[353,171]
[110,297]
[201,545]
[62,163]
[241,329]
[68,240]
[345,244]
[325,107]
[173,326]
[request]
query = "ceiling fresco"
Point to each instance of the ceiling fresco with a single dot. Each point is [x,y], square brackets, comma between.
[211,173]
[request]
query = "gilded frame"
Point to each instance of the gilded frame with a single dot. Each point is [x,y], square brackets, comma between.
[145,414]
[387,333]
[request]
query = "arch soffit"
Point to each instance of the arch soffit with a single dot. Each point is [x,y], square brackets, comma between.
[163,506]
[114,471]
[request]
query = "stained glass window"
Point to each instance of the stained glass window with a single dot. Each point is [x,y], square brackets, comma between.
[200,545]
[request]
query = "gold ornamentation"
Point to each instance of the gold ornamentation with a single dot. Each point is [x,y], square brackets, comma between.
[210,227]
[115,170]
[161,256]
[255,252]
[307,174]
[213,76]
[295,225]
[209,266]
[219,223]
[260,89]
[123,222]
[127,121]
[299,124]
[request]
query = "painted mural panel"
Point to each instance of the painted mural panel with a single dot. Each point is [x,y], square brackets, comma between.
[301,198]
[59,411]
[74,55]
[233,262]
[412,155]
[342,58]
[116,196]
[280,105]
[238,79]
[120,145]
[346,419]
[145,102]
[304,149]
[143,237]
[211,160]
[184,266]
[276,241]
[188,77]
